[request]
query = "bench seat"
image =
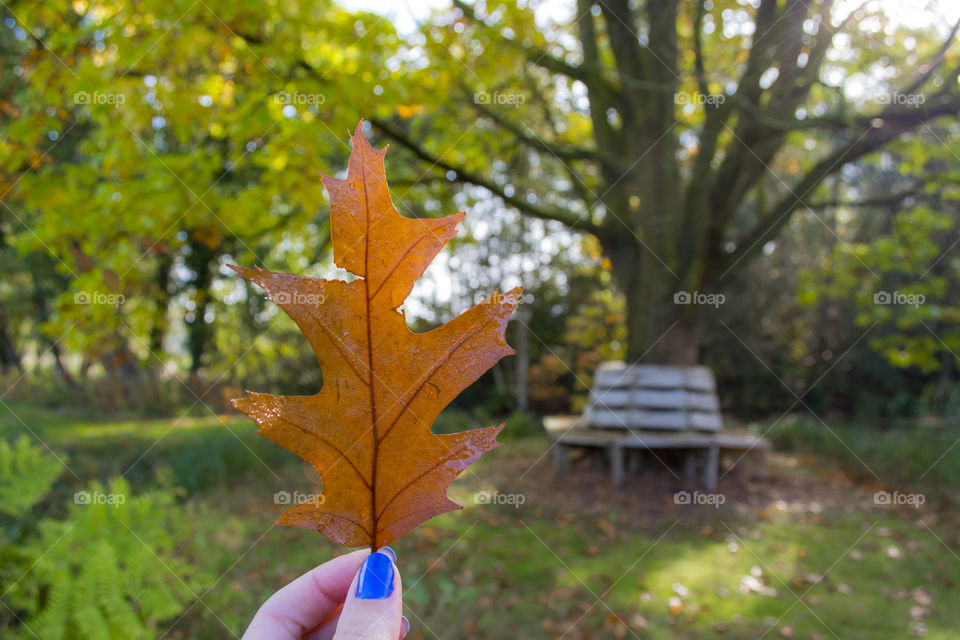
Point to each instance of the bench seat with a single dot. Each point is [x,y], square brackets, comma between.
[572,431]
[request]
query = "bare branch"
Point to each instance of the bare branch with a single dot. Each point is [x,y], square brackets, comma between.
[534,55]
[569,218]
[867,203]
[534,141]
[868,142]
[937,61]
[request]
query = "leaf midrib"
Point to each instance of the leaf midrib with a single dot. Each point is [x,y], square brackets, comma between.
[370,360]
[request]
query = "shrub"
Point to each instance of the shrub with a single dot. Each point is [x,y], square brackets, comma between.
[26,476]
[113,568]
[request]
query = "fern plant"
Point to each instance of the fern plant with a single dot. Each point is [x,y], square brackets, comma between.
[112,569]
[26,475]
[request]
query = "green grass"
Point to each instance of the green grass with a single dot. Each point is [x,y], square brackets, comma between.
[535,571]
[923,457]
[475,574]
[199,452]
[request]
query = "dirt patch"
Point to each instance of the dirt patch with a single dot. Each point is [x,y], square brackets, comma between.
[654,496]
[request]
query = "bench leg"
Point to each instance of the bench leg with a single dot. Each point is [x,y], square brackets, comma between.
[633,459]
[616,464]
[689,466]
[561,458]
[711,468]
[759,466]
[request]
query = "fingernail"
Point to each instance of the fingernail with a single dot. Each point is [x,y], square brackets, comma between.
[404,626]
[390,552]
[376,577]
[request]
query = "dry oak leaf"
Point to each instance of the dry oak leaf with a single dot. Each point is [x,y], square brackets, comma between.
[368,430]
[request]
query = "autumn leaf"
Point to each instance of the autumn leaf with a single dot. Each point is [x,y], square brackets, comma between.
[367,432]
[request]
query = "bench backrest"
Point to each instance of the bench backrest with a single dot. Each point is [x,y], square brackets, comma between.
[656,397]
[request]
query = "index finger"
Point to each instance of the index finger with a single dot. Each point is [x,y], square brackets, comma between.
[307,601]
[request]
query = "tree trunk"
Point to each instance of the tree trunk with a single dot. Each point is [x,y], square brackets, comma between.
[159,328]
[200,260]
[62,368]
[522,359]
[9,356]
[681,343]
[664,324]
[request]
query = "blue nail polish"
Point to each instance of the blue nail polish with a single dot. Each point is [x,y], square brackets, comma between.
[376,577]
[390,552]
[404,626]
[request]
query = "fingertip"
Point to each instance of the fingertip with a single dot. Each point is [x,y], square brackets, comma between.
[376,578]
[389,552]
[374,605]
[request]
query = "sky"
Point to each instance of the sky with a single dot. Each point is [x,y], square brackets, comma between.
[911,13]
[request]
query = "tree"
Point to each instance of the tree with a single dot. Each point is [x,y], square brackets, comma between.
[672,164]
[683,136]
[146,144]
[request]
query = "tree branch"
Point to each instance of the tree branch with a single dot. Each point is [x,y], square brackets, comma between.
[569,218]
[892,199]
[698,67]
[935,64]
[534,141]
[534,55]
[868,142]
[632,61]
[601,97]
[577,184]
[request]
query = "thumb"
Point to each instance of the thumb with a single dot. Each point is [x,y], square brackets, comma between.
[373,608]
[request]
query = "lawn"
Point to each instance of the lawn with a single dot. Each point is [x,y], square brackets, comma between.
[804,554]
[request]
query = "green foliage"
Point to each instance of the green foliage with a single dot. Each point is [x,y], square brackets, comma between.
[180,137]
[117,566]
[196,453]
[148,144]
[908,290]
[196,457]
[522,424]
[26,475]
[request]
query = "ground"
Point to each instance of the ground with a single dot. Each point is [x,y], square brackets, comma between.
[805,553]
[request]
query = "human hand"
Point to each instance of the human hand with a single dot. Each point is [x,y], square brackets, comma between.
[353,597]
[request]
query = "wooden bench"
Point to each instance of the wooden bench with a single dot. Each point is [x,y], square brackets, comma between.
[654,397]
[650,407]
